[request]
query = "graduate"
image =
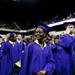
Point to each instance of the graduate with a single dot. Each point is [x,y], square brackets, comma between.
[20,43]
[61,58]
[10,56]
[38,57]
[72,46]
[67,39]
[21,48]
[66,42]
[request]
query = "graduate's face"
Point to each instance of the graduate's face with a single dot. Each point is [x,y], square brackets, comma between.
[56,41]
[39,33]
[71,27]
[19,37]
[13,38]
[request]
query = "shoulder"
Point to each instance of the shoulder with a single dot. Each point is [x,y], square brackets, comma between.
[30,45]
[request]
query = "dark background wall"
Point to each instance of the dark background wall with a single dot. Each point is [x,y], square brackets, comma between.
[28,12]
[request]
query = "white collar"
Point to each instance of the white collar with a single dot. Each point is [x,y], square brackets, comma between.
[72,35]
[36,41]
[18,41]
[11,42]
[0,45]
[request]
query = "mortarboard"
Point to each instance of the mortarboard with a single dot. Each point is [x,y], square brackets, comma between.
[12,34]
[43,26]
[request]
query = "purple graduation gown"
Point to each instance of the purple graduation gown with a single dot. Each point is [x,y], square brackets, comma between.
[66,42]
[10,56]
[21,48]
[36,59]
[73,57]
[62,60]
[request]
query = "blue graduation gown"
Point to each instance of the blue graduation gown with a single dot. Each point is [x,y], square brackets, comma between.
[73,57]
[9,58]
[36,59]
[62,60]
[21,48]
[66,41]
[5,69]
[0,55]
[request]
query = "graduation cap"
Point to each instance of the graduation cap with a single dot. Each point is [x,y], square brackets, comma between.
[12,34]
[43,26]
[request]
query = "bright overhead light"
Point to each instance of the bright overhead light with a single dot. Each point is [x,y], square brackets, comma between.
[61,22]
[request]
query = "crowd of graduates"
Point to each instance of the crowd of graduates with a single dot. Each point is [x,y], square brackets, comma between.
[44,54]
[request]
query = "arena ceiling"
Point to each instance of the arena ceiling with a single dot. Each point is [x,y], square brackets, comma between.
[28,12]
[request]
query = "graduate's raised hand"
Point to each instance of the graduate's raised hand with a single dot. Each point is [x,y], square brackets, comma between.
[42,72]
